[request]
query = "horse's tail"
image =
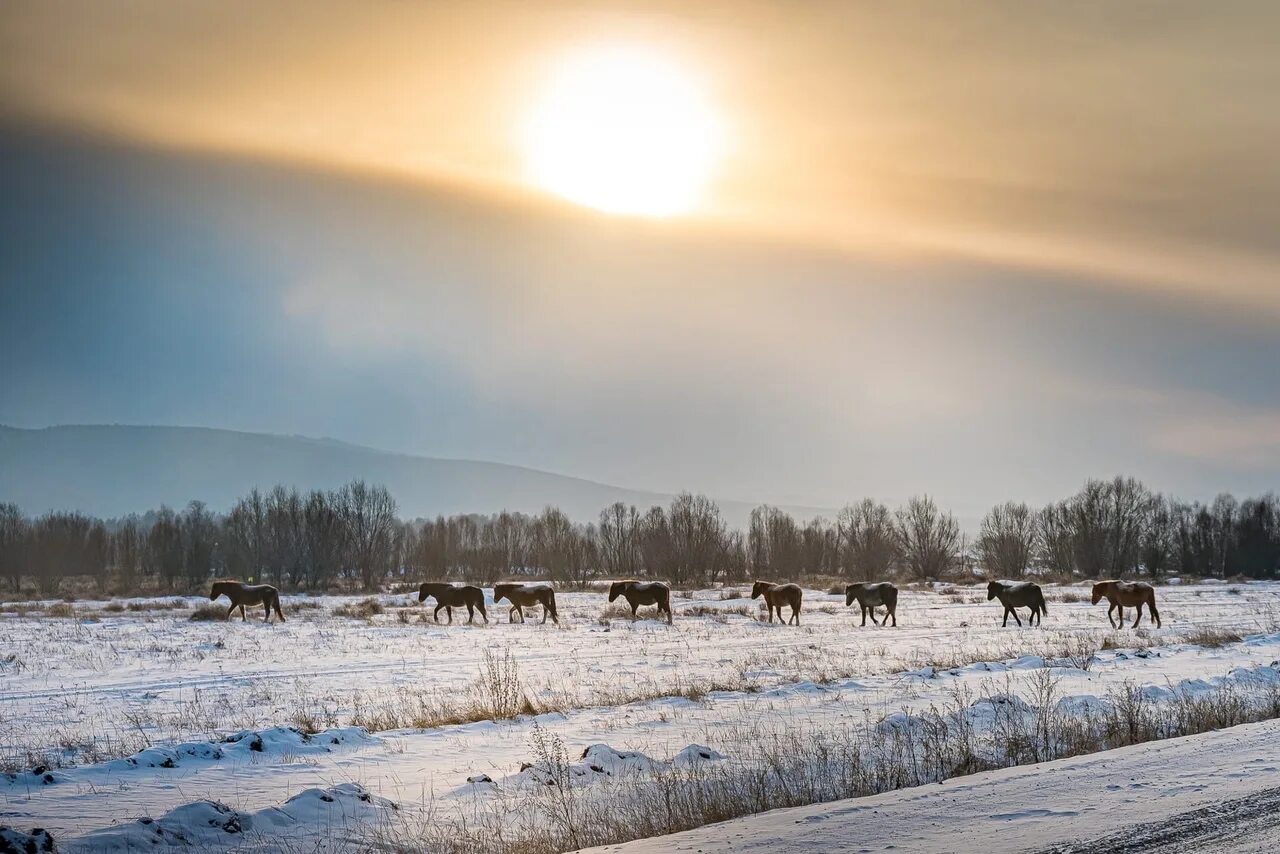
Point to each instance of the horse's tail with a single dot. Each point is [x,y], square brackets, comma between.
[1151,605]
[551,603]
[1044,605]
[275,600]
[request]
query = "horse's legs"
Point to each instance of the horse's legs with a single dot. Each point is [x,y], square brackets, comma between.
[1005,624]
[635,609]
[436,613]
[244,618]
[231,610]
[1111,608]
[545,611]
[1120,608]
[893,612]
[863,608]
[266,608]
[471,614]
[1138,618]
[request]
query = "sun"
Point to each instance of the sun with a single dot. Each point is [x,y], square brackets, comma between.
[623,130]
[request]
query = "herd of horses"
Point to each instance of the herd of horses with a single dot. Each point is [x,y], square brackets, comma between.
[1011,594]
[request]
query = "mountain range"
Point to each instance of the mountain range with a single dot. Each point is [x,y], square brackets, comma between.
[114,470]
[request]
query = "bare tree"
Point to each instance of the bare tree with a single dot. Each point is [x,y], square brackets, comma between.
[199,538]
[164,555]
[773,543]
[369,514]
[1007,540]
[619,536]
[929,538]
[697,538]
[868,540]
[15,533]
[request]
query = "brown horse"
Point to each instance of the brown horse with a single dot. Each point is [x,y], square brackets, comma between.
[242,594]
[871,595]
[1127,593]
[639,593]
[522,596]
[1018,594]
[777,595]
[450,597]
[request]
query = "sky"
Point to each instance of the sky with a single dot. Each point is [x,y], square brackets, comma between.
[983,251]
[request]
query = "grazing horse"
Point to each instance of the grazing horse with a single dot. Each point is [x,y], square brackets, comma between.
[1018,594]
[777,595]
[639,593]
[450,597]
[242,594]
[527,595]
[1122,593]
[871,595]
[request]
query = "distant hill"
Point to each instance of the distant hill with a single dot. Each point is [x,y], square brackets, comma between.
[116,470]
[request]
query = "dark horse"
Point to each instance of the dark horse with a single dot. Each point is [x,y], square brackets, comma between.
[1019,594]
[639,593]
[1127,593]
[450,597]
[522,596]
[777,595]
[871,595]
[242,594]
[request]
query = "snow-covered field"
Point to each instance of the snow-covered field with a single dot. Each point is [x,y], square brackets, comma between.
[112,715]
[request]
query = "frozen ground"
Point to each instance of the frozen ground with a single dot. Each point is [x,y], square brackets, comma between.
[1219,791]
[129,715]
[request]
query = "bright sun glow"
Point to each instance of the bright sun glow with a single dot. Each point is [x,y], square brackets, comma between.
[623,130]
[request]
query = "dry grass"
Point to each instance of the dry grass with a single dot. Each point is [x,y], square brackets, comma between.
[61,610]
[795,766]
[1211,636]
[209,614]
[365,609]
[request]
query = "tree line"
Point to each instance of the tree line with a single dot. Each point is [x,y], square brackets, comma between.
[353,538]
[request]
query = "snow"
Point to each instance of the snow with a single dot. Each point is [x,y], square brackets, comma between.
[198,727]
[1068,802]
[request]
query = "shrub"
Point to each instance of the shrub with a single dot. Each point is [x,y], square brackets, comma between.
[363,610]
[1212,636]
[209,614]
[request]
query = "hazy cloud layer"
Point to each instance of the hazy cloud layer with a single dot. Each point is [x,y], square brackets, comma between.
[141,286]
[1128,142]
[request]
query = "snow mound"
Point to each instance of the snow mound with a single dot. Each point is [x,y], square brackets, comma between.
[695,754]
[16,842]
[343,805]
[212,826]
[168,757]
[37,776]
[287,739]
[203,824]
[602,760]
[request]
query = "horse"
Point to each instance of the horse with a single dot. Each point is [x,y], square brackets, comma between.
[242,594]
[1019,594]
[450,597]
[1122,593]
[639,593]
[777,595]
[522,595]
[871,595]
